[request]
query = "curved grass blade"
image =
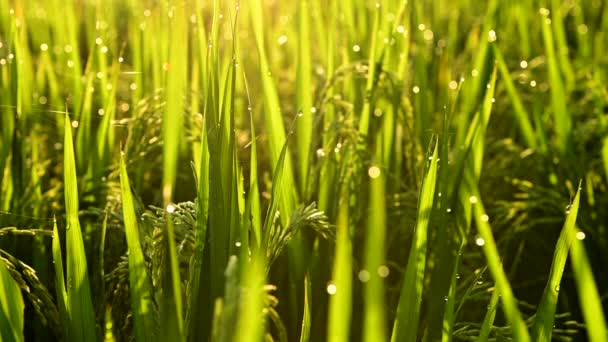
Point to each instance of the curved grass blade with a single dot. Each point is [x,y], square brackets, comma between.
[250,326]
[374,317]
[11,307]
[520,331]
[340,303]
[80,305]
[306,319]
[176,82]
[488,321]
[545,313]
[140,287]
[590,300]
[304,94]
[62,295]
[405,327]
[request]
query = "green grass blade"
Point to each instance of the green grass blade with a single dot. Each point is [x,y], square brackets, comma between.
[340,303]
[140,287]
[176,82]
[521,115]
[304,95]
[561,118]
[405,327]
[374,328]
[250,326]
[306,319]
[272,112]
[590,300]
[509,303]
[488,321]
[80,305]
[11,307]
[61,292]
[196,291]
[545,313]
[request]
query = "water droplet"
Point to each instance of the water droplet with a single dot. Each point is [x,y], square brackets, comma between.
[121,59]
[474,73]
[480,282]
[373,172]
[457,275]
[485,218]
[479,241]
[282,39]
[580,235]
[356,48]
[320,153]
[313,109]
[523,64]
[237,244]
[428,35]
[75,124]
[473,199]
[363,276]
[170,208]
[492,36]
[416,89]
[453,85]
[557,288]
[249,108]
[445,298]
[331,288]
[44,47]
[300,114]
[383,271]
[449,210]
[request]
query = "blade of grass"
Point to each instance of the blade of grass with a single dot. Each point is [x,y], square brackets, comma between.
[11,307]
[176,84]
[80,304]
[340,303]
[590,300]
[140,287]
[520,332]
[488,321]
[304,94]
[61,292]
[374,328]
[561,118]
[545,313]
[521,116]
[405,327]
[306,319]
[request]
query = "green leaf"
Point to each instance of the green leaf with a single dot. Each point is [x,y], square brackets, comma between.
[405,327]
[11,307]
[80,306]
[488,321]
[340,303]
[140,287]
[545,313]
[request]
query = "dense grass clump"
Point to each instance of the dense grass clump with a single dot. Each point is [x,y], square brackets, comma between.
[310,170]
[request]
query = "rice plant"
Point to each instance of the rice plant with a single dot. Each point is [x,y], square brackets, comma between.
[303,171]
